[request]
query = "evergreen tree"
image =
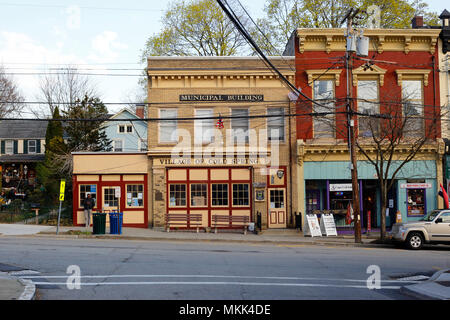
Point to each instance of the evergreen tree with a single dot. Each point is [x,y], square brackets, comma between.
[87,135]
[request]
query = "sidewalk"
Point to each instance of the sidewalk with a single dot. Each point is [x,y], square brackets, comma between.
[286,237]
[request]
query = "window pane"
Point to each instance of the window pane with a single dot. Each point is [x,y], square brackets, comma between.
[240,125]
[275,125]
[85,189]
[199,196]
[219,196]
[324,94]
[368,89]
[240,194]
[204,129]
[118,145]
[9,147]
[177,195]
[167,128]
[323,89]
[135,195]
[368,104]
[412,89]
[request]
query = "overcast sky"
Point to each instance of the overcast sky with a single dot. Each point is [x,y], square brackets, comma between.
[100,35]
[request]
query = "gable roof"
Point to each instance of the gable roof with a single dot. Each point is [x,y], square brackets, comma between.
[22,129]
[119,115]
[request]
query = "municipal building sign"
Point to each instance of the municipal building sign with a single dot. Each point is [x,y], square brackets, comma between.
[222,97]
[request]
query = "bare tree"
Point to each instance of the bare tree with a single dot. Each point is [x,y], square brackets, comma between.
[388,144]
[11,101]
[65,87]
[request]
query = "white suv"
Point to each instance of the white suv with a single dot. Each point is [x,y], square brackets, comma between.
[434,228]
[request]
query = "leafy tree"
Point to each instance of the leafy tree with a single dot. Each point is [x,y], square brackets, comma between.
[284,16]
[196,27]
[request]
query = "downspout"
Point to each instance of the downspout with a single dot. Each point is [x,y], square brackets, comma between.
[290,162]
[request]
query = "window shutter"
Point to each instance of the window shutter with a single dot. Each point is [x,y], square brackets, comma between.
[38,146]
[25,146]
[3,147]
[15,147]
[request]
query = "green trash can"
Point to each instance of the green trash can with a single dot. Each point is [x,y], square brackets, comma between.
[99,223]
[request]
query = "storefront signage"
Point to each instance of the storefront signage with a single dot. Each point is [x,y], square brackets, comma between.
[415,185]
[341,187]
[259,195]
[312,227]
[259,184]
[222,97]
[327,225]
[212,161]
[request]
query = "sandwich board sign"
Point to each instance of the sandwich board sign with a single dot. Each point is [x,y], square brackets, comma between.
[312,227]
[327,225]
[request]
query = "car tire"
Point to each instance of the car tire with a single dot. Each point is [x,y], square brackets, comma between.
[414,241]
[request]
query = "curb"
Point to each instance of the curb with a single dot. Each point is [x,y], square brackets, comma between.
[29,291]
[415,290]
[261,242]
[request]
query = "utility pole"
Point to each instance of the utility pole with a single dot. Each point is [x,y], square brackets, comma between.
[351,126]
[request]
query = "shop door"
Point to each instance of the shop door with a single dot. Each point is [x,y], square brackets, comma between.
[277,208]
[110,201]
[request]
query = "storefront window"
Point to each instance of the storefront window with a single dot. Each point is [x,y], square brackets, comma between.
[135,195]
[339,200]
[85,189]
[177,195]
[240,194]
[109,198]
[199,195]
[416,202]
[219,194]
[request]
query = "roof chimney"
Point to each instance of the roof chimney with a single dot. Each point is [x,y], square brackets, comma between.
[140,110]
[417,22]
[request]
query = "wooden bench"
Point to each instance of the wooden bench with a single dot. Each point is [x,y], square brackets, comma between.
[175,219]
[218,221]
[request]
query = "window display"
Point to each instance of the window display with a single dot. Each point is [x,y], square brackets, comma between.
[416,202]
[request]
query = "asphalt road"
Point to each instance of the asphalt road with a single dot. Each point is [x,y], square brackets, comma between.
[125,269]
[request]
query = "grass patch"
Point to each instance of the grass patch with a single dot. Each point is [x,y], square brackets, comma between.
[79,232]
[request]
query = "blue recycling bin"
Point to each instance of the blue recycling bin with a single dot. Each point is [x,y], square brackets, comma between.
[115,222]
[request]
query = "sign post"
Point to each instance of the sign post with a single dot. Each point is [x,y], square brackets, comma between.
[62,188]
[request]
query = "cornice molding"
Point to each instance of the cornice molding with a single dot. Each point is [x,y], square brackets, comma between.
[373,70]
[315,73]
[410,74]
[381,40]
